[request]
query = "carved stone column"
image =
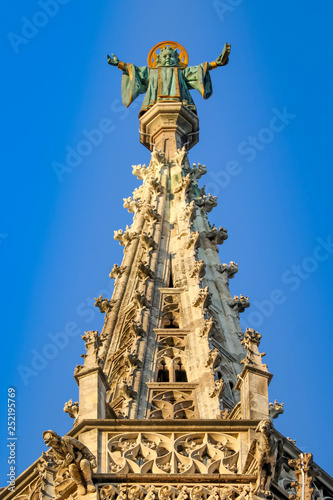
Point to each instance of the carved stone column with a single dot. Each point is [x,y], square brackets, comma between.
[169,126]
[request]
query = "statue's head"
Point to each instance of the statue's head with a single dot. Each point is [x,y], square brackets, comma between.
[168,57]
[51,438]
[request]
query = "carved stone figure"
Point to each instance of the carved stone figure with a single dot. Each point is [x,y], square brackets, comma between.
[267,452]
[71,455]
[239,304]
[251,343]
[218,236]
[72,408]
[117,271]
[275,409]
[108,492]
[104,305]
[166,76]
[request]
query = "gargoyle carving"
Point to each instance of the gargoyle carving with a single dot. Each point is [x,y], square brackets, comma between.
[198,270]
[73,457]
[72,408]
[217,389]
[203,299]
[214,358]
[205,331]
[104,305]
[126,237]
[302,467]
[267,451]
[275,409]
[117,271]
[192,240]
[132,205]
[126,391]
[239,304]
[144,272]
[251,343]
[218,236]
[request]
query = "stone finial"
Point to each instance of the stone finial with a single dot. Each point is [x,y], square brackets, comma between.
[275,409]
[72,408]
[104,305]
[93,342]
[251,343]
[71,456]
[302,467]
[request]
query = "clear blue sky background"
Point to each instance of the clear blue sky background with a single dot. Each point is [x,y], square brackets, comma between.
[56,238]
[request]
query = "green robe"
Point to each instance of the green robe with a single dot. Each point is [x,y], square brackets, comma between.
[166,83]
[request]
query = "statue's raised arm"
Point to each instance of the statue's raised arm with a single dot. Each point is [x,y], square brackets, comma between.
[223,58]
[167,78]
[114,61]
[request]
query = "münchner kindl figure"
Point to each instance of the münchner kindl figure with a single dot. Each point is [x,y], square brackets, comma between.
[167,78]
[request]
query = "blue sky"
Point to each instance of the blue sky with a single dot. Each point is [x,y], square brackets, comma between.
[265,137]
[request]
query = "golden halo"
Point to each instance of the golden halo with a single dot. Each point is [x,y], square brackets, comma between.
[183,55]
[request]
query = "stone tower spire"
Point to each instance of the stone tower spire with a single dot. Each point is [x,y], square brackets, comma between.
[173,396]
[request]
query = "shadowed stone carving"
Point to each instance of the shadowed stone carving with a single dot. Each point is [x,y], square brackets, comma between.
[267,451]
[275,409]
[69,455]
[217,236]
[239,304]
